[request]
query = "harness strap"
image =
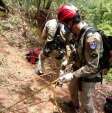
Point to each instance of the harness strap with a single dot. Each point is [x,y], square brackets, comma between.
[95,79]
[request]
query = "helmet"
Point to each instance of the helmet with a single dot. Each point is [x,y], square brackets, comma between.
[68,12]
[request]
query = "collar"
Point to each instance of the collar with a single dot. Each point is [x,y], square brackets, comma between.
[82,31]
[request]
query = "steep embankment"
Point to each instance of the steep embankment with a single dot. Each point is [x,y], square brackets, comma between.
[18,81]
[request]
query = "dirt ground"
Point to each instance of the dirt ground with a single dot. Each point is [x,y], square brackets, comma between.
[20,87]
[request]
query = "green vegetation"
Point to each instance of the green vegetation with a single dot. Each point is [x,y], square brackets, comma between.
[108,77]
[95,12]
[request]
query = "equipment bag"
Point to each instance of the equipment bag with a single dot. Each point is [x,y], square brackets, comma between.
[32,55]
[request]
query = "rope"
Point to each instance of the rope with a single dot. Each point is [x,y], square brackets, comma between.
[28,80]
[44,87]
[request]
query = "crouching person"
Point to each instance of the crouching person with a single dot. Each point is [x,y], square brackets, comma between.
[54,33]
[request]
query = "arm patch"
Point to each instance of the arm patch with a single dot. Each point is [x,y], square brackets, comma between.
[93,45]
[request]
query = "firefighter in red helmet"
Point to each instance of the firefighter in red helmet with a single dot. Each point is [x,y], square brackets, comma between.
[89,48]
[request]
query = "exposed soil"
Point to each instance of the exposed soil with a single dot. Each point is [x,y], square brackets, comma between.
[18,82]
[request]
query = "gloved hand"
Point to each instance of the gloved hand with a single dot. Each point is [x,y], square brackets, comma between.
[58,83]
[66,77]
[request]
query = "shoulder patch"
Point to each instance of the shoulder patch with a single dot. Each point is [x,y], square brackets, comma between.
[93,45]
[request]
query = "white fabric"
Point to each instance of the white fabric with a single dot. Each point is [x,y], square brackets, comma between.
[51,27]
[66,77]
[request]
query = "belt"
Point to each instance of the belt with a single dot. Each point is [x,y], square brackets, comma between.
[95,79]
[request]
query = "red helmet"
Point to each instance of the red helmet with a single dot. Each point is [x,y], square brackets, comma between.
[67,13]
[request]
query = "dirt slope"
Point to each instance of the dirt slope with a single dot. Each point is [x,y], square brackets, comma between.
[18,81]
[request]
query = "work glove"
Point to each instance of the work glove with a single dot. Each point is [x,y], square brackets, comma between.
[66,77]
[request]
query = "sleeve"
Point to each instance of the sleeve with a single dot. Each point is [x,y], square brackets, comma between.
[44,32]
[92,56]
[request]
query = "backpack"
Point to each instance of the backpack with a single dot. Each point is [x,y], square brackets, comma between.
[104,62]
[32,55]
[56,44]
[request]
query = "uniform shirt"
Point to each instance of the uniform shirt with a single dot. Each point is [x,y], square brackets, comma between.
[51,27]
[92,53]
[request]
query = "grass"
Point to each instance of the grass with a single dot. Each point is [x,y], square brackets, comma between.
[108,77]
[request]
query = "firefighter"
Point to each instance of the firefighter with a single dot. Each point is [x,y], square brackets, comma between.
[55,35]
[89,47]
